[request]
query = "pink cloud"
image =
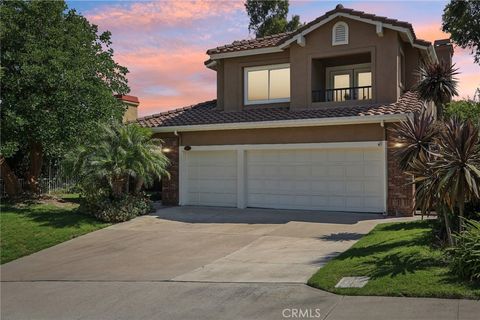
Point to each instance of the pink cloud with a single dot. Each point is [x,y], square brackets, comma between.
[167,79]
[147,14]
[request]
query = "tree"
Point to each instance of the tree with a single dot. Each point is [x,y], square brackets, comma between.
[464,109]
[270,17]
[58,79]
[438,84]
[119,153]
[445,164]
[462,20]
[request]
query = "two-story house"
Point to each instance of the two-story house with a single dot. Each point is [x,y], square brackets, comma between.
[302,119]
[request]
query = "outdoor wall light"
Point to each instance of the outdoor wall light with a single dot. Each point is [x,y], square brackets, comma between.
[398,145]
[166,150]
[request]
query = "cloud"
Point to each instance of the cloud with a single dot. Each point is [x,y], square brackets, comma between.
[163,44]
[146,15]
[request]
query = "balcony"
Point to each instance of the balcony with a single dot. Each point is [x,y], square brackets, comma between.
[342,94]
[342,78]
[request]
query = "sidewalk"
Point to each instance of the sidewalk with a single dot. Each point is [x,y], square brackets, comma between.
[195,300]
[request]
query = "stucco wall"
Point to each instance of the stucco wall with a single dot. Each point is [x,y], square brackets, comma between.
[344,133]
[362,39]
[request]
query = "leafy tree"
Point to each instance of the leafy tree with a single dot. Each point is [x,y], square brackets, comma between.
[270,17]
[464,109]
[118,154]
[462,20]
[438,84]
[58,78]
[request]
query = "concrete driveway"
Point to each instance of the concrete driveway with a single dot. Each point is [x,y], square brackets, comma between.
[204,263]
[201,244]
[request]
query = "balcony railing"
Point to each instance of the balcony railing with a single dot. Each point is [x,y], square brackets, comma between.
[342,94]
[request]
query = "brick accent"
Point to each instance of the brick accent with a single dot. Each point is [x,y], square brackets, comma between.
[401,194]
[170,187]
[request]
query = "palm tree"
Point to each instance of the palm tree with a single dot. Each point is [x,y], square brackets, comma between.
[458,164]
[437,84]
[120,152]
[415,136]
[444,161]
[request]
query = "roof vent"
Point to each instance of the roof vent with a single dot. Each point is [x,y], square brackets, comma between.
[340,33]
[339,6]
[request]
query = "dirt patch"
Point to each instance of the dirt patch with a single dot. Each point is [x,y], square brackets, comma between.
[48,200]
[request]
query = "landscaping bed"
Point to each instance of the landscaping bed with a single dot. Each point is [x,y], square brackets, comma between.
[30,227]
[400,260]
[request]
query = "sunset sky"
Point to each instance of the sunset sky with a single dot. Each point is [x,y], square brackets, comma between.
[163,43]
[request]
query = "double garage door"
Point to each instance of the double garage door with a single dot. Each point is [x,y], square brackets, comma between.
[335,179]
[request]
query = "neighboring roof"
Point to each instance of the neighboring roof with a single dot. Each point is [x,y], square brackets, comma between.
[278,39]
[207,113]
[128,98]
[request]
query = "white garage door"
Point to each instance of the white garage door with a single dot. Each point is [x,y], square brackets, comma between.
[317,179]
[211,178]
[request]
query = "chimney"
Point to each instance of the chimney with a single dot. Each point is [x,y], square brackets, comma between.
[444,50]
[131,114]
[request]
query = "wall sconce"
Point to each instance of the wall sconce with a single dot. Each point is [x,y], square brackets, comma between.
[398,145]
[166,150]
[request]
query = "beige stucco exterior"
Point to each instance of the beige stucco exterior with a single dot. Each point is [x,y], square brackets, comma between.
[382,51]
[334,133]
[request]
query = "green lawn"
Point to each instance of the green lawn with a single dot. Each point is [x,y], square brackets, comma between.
[28,228]
[399,259]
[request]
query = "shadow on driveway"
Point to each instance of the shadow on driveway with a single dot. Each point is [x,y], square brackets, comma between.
[194,214]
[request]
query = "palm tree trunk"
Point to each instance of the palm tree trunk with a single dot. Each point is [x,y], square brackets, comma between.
[118,183]
[461,209]
[12,185]
[447,226]
[36,162]
[138,185]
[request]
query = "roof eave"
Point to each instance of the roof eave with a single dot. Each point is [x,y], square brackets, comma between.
[282,46]
[286,123]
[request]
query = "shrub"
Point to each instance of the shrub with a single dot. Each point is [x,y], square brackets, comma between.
[465,255]
[123,208]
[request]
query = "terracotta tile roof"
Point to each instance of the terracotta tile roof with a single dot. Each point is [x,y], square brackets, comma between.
[207,113]
[128,98]
[264,42]
[277,39]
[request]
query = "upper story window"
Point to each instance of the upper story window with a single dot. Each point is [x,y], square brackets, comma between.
[267,84]
[340,33]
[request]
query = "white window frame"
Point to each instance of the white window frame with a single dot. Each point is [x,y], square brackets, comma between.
[353,70]
[266,67]
[336,43]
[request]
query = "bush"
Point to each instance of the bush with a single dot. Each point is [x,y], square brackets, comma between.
[124,208]
[466,252]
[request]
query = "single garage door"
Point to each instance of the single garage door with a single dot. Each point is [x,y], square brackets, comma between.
[317,179]
[211,178]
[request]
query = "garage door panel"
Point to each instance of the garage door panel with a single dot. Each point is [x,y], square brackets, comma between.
[318,179]
[211,178]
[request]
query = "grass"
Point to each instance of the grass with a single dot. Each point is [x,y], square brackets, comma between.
[30,227]
[400,260]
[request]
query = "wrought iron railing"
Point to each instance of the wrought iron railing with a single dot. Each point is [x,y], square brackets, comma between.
[342,94]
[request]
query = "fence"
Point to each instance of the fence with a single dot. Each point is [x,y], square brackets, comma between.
[47,185]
